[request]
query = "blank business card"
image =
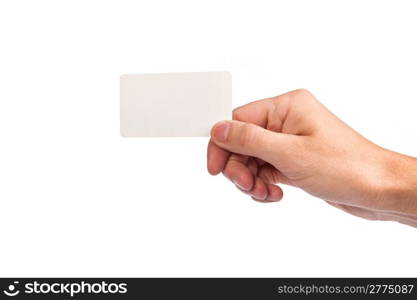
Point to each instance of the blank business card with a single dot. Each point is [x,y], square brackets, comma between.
[174,104]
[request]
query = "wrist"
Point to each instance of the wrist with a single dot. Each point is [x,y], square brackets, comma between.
[397,191]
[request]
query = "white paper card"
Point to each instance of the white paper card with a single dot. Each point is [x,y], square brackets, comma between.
[174,104]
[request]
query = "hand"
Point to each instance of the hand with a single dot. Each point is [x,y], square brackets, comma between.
[293,139]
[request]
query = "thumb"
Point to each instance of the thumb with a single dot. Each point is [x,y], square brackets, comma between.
[250,139]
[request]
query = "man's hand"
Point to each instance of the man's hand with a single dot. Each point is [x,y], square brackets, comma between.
[293,139]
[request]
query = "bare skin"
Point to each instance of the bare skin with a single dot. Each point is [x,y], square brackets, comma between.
[293,139]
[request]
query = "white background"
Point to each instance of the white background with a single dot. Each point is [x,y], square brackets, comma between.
[76,199]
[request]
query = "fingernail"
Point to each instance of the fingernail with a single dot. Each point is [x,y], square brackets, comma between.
[238,185]
[221,131]
[263,200]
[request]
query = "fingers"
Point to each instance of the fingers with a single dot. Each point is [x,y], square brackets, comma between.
[271,175]
[275,193]
[252,176]
[263,192]
[216,158]
[255,112]
[233,166]
[242,171]
[253,166]
[233,141]
[238,172]
[252,140]
[259,190]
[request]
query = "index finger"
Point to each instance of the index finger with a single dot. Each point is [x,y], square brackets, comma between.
[255,112]
[216,158]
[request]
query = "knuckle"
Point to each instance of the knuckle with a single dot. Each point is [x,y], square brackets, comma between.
[301,92]
[247,135]
[294,96]
[300,96]
[236,114]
